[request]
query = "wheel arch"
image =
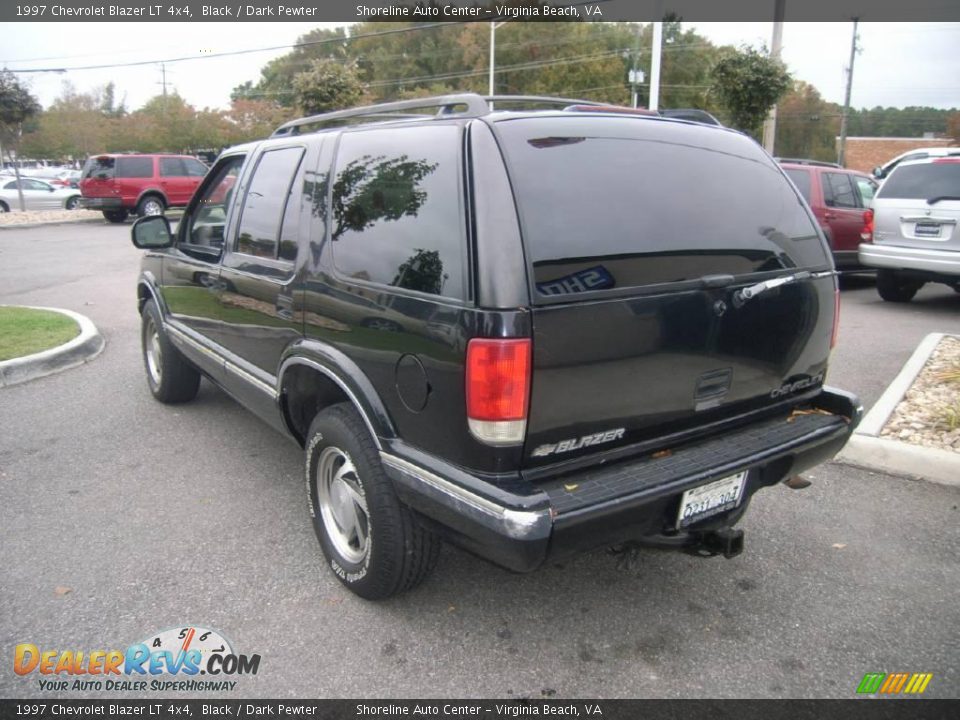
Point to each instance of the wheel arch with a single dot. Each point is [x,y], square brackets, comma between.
[152,191]
[146,290]
[313,377]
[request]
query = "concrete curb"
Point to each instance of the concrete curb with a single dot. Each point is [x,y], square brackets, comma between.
[78,221]
[83,348]
[867,449]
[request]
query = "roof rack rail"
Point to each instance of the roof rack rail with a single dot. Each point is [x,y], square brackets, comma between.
[805,161]
[539,100]
[475,107]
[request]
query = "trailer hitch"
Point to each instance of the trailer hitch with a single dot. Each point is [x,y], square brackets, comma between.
[726,541]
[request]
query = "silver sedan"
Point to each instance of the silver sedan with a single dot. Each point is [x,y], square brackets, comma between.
[37,195]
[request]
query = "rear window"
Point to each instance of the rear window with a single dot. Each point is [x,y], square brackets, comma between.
[927,181]
[612,203]
[99,168]
[134,167]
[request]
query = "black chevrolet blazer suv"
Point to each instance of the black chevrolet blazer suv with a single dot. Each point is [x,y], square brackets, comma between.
[530,330]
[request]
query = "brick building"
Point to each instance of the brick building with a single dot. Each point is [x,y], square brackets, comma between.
[866,153]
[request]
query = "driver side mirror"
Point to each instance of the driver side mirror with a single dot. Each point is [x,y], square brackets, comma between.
[152,233]
[878,173]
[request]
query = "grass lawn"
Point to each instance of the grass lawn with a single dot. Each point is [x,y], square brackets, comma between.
[24,331]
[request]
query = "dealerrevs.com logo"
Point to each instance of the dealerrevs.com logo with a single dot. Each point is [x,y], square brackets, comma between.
[169,661]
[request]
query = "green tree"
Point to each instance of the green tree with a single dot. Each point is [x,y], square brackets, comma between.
[748,82]
[17,105]
[807,125]
[327,85]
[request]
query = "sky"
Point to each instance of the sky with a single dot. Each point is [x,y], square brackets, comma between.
[899,64]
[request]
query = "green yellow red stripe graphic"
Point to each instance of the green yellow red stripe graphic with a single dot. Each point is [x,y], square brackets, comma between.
[894,683]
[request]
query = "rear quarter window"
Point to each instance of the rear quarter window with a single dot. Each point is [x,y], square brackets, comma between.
[134,167]
[800,178]
[398,213]
[608,203]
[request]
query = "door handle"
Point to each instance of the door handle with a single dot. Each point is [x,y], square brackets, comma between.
[830,216]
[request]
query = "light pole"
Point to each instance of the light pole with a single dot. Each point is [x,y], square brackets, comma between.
[493,45]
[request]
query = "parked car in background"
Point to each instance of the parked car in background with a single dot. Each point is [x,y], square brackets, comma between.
[884,170]
[37,195]
[67,178]
[913,234]
[119,185]
[838,198]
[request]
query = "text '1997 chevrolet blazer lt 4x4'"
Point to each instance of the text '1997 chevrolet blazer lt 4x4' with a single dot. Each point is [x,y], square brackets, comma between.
[528,332]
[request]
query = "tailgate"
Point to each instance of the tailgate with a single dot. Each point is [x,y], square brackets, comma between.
[641,236]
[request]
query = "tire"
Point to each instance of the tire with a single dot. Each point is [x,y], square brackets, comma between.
[115,216]
[72,203]
[3,207]
[372,542]
[150,205]
[894,288]
[170,377]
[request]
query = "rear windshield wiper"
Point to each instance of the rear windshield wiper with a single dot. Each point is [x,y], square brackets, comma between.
[938,198]
[742,295]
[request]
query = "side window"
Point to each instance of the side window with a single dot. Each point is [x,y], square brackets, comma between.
[208,217]
[868,188]
[134,167]
[266,210]
[195,168]
[841,191]
[397,216]
[171,167]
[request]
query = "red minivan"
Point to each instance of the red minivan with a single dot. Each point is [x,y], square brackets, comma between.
[142,184]
[838,198]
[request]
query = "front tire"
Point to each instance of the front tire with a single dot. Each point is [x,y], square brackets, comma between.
[170,377]
[893,287]
[371,541]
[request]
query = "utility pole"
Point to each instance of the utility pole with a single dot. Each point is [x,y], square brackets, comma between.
[770,124]
[636,74]
[846,100]
[656,51]
[163,71]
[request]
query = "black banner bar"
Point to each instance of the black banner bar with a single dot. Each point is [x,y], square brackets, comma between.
[884,709]
[471,10]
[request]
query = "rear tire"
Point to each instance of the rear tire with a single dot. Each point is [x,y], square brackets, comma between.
[115,216]
[170,377]
[893,287]
[372,542]
[72,203]
[3,207]
[150,205]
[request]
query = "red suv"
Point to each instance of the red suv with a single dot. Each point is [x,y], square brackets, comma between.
[142,184]
[838,198]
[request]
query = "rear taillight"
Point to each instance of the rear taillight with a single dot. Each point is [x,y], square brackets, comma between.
[498,389]
[867,233]
[836,319]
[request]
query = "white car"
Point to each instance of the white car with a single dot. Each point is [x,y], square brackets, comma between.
[916,154]
[37,195]
[913,238]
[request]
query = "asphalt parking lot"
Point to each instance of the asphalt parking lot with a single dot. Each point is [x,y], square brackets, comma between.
[121,517]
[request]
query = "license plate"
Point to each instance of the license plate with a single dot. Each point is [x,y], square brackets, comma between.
[927,229]
[710,499]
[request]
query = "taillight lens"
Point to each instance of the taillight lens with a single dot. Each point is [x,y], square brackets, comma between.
[867,233]
[498,389]
[836,319]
